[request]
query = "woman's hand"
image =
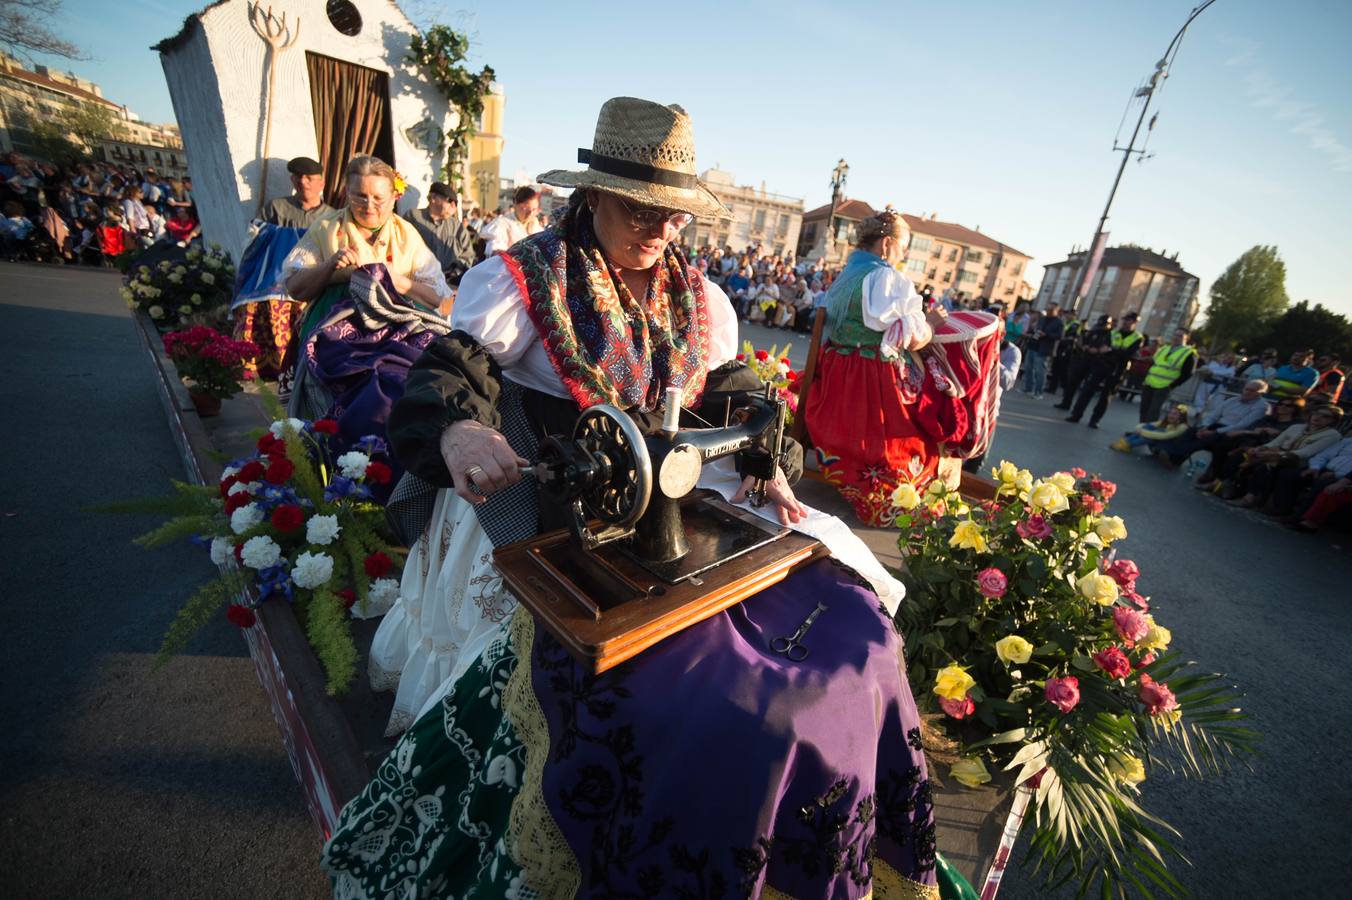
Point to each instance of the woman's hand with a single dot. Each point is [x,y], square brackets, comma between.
[346,258]
[401,282]
[791,512]
[479,457]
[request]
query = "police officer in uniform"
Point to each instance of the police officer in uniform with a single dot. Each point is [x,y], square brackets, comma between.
[1107,364]
[1171,366]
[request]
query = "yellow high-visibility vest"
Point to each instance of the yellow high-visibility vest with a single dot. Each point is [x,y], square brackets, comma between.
[1167,366]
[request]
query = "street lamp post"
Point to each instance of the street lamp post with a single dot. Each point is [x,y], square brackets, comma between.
[838,176]
[1148,92]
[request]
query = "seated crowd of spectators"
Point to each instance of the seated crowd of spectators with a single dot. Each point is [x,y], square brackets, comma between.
[89,213]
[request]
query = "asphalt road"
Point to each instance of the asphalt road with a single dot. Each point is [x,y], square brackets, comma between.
[116,781]
[174,784]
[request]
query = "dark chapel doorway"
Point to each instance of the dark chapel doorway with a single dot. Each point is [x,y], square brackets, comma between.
[351,106]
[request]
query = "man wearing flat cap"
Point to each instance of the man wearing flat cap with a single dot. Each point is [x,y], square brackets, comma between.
[306,202]
[439,223]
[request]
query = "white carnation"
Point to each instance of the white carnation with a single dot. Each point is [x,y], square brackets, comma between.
[156,312]
[278,428]
[782,368]
[353,464]
[244,518]
[379,599]
[228,471]
[322,530]
[223,551]
[240,486]
[312,569]
[260,552]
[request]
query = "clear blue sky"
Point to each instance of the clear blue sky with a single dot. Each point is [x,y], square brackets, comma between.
[992,114]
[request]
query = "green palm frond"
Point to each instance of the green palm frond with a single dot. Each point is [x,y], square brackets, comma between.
[199,610]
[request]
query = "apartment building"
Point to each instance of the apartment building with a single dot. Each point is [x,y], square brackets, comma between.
[1129,279]
[759,217]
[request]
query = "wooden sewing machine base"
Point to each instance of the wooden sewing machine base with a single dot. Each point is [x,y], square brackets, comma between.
[605,606]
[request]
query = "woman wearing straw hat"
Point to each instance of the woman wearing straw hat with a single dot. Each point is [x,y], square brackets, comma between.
[526,776]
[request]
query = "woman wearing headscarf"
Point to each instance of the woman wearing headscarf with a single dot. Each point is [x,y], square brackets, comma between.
[373,292]
[529,777]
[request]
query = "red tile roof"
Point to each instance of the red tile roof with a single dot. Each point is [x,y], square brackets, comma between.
[857,210]
[957,234]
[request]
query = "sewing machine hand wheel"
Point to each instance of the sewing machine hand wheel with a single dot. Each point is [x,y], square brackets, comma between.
[620,496]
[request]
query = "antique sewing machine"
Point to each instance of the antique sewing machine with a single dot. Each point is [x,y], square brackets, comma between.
[648,555]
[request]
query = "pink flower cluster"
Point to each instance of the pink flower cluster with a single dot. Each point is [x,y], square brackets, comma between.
[208,343]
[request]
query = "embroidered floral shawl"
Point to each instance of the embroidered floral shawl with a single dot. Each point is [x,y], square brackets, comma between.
[606,346]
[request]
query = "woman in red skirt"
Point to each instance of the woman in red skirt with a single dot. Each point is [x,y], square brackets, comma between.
[884,406]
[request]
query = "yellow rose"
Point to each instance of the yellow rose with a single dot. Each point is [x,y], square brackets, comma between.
[936,488]
[1023,480]
[970,771]
[1013,649]
[968,535]
[953,682]
[1099,588]
[1157,638]
[1127,768]
[1006,472]
[1064,480]
[906,496]
[1048,497]
[1110,528]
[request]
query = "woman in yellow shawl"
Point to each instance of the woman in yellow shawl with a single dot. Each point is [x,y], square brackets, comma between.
[364,232]
[376,299]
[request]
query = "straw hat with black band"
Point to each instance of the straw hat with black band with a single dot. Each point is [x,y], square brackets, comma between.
[644,152]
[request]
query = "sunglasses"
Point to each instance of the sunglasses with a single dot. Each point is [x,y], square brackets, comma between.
[645,218]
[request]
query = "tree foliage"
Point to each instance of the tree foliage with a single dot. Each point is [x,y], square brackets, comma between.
[1307,327]
[70,133]
[23,28]
[1247,296]
[441,52]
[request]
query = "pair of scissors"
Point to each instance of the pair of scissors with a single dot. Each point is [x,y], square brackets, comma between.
[792,645]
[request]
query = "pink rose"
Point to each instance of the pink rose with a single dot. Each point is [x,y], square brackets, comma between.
[992,583]
[1090,504]
[1144,660]
[1131,624]
[1140,602]
[958,709]
[1035,527]
[1124,572]
[1077,472]
[1157,697]
[1113,662]
[1105,489]
[1063,693]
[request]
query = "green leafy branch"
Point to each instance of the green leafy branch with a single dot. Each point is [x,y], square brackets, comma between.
[441,52]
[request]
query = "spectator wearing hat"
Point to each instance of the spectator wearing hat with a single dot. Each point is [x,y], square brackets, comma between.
[522,221]
[450,241]
[306,202]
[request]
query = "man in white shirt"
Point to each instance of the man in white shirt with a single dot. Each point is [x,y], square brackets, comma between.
[522,221]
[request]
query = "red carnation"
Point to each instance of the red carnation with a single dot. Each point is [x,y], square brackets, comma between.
[280,470]
[1077,472]
[377,564]
[239,554]
[785,361]
[266,441]
[349,597]
[741,357]
[252,471]
[241,616]
[288,517]
[379,473]
[227,483]
[325,426]
[762,355]
[237,500]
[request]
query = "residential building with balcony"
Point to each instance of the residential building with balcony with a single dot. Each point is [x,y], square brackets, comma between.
[947,256]
[759,218]
[1129,279]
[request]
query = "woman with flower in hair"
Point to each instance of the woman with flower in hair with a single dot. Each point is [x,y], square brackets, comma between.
[373,292]
[885,407]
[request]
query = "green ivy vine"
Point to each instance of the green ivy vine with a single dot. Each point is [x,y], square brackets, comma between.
[440,52]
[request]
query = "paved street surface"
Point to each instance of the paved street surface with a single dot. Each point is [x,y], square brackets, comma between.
[114,780]
[175,784]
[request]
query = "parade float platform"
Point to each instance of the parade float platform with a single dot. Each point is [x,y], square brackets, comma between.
[334,743]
